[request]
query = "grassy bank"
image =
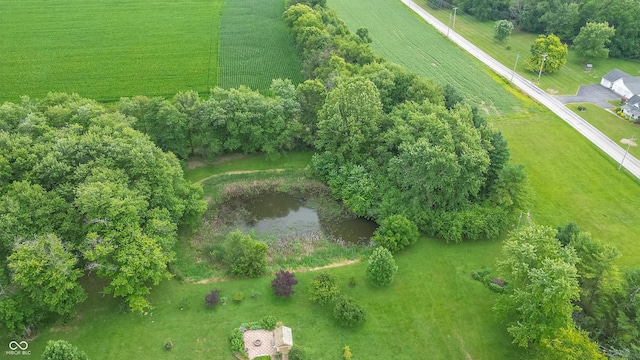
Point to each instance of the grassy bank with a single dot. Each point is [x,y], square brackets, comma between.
[199,169]
[106,50]
[255,46]
[564,82]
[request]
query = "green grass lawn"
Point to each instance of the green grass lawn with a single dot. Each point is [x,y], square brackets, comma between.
[564,82]
[108,49]
[610,124]
[240,162]
[255,46]
[402,37]
[432,310]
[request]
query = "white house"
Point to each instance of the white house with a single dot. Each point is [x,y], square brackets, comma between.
[621,83]
[632,107]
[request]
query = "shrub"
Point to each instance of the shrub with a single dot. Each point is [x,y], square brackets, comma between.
[236,340]
[297,353]
[495,287]
[283,284]
[238,297]
[212,298]
[323,289]
[382,267]
[582,108]
[244,255]
[62,350]
[352,282]
[347,353]
[263,357]
[481,275]
[395,233]
[268,322]
[255,295]
[348,313]
[508,47]
[223,300]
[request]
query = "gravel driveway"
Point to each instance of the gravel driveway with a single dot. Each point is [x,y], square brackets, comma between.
[595,93]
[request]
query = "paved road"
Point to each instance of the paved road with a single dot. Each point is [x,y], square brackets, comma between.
[607,145]
[594,93]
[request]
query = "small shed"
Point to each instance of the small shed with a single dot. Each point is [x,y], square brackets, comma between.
[283,339]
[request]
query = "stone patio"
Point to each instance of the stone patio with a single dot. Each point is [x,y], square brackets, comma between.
[262,337]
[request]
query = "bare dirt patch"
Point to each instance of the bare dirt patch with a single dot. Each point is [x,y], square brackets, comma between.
[552,91]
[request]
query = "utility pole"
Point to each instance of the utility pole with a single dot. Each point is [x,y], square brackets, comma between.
[449,27]
[454,16]
[544,58]
[630,143]
[514,67]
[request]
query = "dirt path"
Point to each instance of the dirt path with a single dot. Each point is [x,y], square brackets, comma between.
[239,172]
[334,265]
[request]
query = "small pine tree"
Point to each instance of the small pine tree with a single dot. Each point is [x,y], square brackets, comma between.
[347,353]
[283,284]
[212,298]
[382,267]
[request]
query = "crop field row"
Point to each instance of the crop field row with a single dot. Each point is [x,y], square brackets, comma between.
[255,46]
[401,37]
[107,49]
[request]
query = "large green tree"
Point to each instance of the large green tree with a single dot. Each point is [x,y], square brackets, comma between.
[591,42]
[349,119]
[542,284]
[548,53]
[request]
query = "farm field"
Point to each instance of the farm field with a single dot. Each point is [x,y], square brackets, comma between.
[403,38]
[611,125]
[255,46]
[102,50]
[564,82]
[572,180]
[441,285]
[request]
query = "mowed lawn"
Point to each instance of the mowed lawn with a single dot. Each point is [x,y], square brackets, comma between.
[108,49]
[615,127]
[432,310]
[402,37]
[255,45]
[564,82]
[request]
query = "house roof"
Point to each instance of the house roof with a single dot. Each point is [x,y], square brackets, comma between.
[615,74]
[632,83]
[633,100]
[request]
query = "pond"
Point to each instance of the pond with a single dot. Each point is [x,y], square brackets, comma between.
[282,214]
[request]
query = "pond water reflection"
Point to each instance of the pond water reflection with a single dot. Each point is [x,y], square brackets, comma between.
[282,214]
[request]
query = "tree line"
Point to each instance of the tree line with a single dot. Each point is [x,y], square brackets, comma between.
[82,192]
[563,18]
